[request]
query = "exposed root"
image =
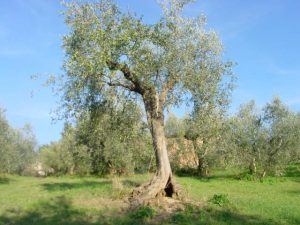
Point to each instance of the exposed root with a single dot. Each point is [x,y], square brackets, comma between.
[155,192]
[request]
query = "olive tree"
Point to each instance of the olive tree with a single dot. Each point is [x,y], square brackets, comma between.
[174,127]
[24,146]
[17,151]
[205,128]
[115,138]
[268,137]
[248,134]
[5,142]
[283,135]
[112,55]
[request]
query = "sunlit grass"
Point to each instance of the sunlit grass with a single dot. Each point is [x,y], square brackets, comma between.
[275,198]
[93,200]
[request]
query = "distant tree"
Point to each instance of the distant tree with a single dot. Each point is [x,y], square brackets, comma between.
[205,130]
[249,135]
[205,125]
[116,138]
[295,152]
[17,151]
[58,156]
[269,137]
[5,143]
[112,56]
[174,127]
[103,141]
[283,135]
[24,148]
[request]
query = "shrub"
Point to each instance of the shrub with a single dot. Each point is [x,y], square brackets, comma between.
[144,212]
[220,199]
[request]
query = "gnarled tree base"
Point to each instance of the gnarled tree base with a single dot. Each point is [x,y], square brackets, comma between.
[155,191]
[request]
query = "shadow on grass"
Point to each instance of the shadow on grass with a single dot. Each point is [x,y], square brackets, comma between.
[223,176]
[293,170]
[217,175]
[4,180]
[223,216]
[213,177]
[294,192]
[60,211]
[55,211]
[61,186]
[131,184]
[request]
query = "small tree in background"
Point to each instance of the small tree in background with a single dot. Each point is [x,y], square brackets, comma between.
[116,139]
[5,143]
[175,127]
[249,135]
[17,151]
[283,135]
[25,144]
[205,130]
[269,137]
[103,141]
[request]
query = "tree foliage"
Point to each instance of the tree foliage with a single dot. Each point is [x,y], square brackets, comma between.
[17,151]
[111,53]
[104,141]
[267,137]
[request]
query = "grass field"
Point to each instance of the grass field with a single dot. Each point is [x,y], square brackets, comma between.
[93,200]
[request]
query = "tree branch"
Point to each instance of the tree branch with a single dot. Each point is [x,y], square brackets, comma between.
[129,87]
[137,85]
[166,88]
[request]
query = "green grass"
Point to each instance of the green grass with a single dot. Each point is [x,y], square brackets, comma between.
[273,200]
[93,201]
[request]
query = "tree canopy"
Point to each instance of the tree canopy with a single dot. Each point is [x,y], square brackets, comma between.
[112,54]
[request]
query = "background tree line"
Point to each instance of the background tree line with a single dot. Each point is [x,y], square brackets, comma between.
[259,140]
[116,140]
[17,147]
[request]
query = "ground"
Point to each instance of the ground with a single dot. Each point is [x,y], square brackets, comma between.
[221,199]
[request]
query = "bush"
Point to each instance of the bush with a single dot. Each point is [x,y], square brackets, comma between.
[190,214]
[220,200]
[144,212]
[247,176]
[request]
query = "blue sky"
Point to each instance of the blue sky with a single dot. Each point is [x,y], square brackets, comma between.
[261,36]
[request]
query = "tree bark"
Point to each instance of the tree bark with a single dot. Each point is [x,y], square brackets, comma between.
[203,168]
[252,166]
[162,184]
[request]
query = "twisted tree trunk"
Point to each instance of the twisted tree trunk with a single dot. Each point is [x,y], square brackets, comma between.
[162,184]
